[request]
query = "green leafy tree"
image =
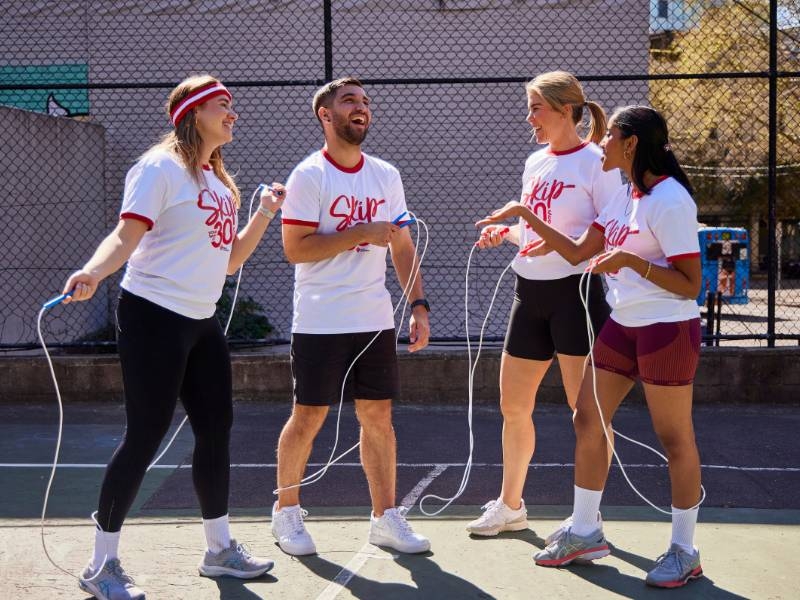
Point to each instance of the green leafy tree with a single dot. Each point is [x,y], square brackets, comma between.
[719,127]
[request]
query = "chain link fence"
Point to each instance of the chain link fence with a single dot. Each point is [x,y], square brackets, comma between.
[82,86]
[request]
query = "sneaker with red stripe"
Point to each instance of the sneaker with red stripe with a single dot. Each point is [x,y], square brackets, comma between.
[674,568]
[570,547]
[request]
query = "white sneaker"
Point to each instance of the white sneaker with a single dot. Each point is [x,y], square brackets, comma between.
[497,517]
[290,531]
[566,524]
[392,530]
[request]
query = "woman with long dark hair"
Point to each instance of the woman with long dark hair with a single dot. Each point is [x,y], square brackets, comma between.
[645,242]
[178,233]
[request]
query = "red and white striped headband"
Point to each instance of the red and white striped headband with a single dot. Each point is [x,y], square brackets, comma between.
[196,98]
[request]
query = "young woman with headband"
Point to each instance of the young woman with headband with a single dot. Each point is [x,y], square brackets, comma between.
[647,247]
[565,185]
[178,233]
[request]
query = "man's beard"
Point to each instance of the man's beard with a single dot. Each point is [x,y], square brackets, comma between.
[347,132]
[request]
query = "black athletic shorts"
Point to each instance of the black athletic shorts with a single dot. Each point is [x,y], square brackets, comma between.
[320,362]
[547,316]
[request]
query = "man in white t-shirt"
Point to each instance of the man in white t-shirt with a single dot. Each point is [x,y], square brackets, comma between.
[343,210]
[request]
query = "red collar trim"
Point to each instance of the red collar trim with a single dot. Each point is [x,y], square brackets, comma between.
[636,194]
[564,152]
[354,169]
[207,168]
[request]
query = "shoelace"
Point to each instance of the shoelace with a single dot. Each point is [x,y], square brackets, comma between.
[243,550]
[115,568]
[675,559]
[489,505]
[296,520]
[397,518]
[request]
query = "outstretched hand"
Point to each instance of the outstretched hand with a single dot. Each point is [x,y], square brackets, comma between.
[511,210]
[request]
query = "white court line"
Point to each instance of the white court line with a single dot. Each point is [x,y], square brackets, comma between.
[344,576]
[405,465]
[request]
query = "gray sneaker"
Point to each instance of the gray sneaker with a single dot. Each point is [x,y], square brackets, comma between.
[566,524]
[111,583]
[675,568]
[234,561]
[570,547]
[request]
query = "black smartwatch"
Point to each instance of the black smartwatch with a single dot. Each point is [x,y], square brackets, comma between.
[421,302]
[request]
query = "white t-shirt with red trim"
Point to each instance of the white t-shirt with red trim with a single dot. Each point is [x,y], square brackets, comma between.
[567,190]
[181,262]
[347,292]
[660,227]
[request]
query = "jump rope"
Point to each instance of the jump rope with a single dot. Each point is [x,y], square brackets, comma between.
[584,287]
[403,220]
[56,301]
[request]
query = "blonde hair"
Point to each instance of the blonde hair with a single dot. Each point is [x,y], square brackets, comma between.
[559,89]
[185,140]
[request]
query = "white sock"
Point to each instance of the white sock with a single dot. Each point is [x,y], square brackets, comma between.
[106,547]
[584,511]
[218,533]
[683,526]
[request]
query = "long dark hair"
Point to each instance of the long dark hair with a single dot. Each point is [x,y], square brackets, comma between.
[653,151]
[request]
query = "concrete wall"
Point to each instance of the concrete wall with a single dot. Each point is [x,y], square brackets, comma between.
[725,375]
[52,208]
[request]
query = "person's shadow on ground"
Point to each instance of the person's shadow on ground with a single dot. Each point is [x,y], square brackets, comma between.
[231,588]
[610,578]
[431,581]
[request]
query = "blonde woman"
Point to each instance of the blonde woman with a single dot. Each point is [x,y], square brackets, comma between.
[565,185]
[178,233]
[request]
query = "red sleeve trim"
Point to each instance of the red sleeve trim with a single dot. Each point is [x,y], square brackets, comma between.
[135,217]
[682,256]
[599,227]
[299,222]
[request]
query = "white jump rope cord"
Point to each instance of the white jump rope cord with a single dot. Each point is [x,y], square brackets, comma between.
[584,295]
[61,410]
[471,367]
[590,358]
[320,473]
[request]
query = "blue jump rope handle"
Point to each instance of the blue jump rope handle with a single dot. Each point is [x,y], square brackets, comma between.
[55,301]
[398,220]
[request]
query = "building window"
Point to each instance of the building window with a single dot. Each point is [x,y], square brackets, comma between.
[663,9]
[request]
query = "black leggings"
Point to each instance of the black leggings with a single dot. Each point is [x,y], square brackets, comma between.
[165,355]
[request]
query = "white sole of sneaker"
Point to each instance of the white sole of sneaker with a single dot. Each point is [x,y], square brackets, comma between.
[500,529]
[578,558]
[383,543]
[90,588]
[226,572]
[297,553]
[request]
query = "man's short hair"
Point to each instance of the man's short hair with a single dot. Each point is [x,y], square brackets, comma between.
[324,96]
